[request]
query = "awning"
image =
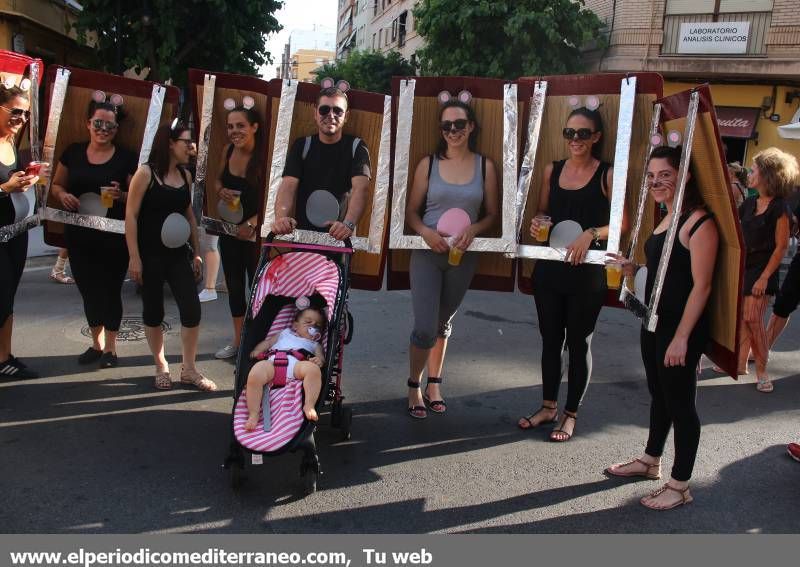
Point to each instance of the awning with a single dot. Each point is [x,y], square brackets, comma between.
[737,121]
[791,131]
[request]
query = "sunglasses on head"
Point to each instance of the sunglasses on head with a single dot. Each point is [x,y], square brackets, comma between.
[582,133]
[448,125]
[104,125]
[18,113]
[325,109]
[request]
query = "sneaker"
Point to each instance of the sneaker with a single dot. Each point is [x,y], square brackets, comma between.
[108,360]
[794,451]
[13,368]
[228,351]
[208,295]
[90,355]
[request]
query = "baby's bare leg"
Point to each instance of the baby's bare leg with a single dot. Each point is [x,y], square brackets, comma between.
[311,375]
[260,375]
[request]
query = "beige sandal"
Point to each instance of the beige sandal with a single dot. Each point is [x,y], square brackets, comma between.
[648,473]
[194,378]
[163,381]
[686,498]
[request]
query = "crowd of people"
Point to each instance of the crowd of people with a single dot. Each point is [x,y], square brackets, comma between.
[161,244]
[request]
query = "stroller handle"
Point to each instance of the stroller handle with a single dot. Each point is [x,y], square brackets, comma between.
[347,244]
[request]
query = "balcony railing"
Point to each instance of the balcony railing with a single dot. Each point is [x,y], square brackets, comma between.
[756,42]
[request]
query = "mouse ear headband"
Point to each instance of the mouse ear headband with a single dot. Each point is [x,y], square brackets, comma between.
[464,96]
[673,139]
[10,82]
[591,102]
[115,100]
[248,102]
[328,83]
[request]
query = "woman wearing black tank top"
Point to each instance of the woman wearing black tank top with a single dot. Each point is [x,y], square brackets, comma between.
[14,106]
[672,352]
[239,179]
[570,294]
[159,223]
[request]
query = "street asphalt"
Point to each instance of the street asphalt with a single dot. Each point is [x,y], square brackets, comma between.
[101,451]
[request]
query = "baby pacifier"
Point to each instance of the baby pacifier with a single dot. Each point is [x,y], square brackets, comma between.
[314,332]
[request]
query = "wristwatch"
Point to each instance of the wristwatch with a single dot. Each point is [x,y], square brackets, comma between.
[595,235]
[350,224]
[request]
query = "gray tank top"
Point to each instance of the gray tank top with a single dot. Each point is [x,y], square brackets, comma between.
[443,195]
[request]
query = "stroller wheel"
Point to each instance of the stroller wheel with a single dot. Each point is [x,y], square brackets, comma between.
[336,413]
[345,421]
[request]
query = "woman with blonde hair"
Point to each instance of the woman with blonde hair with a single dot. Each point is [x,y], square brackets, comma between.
[765,228]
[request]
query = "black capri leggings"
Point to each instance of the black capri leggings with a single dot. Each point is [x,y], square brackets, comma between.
[789,296]
[175,270]
[673,391]
[239,264]
[12,263]
[99,271]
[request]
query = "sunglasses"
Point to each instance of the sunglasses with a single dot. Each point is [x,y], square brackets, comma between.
[104,125]
[325,109]
[457,125]
[582,133]
[18,113]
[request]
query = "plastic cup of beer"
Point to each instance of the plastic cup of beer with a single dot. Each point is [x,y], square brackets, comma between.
[234,204]
[543,229]
[35,168]
[107,196]
[454,257]
[613,275]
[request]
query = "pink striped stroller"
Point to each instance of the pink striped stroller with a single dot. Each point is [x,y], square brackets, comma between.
[322,274]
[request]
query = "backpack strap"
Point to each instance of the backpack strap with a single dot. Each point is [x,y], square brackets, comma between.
[356,143]
[430,165]
[306,146]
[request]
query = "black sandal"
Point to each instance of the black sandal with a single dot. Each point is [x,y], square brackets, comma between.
[436,406]
[417,412]
[528,418]
[554,435]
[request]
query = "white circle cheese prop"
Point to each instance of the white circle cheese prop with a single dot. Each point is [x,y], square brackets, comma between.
[24,204]
[640,283]
[227,214]
[322,207]
[175,231]
[90,204]
[564,233]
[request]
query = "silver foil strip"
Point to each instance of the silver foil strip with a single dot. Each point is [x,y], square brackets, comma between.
[33,123]
[627,103]
[153,121]
[402,145]
[280,147]
[643,191]
[10,231]
[547,253]
[87,221]
[479,244]
[322,239]
[220,226]
[204,140]
[51,134]
[380,196]
[686,156]
[510,154]
[531,147]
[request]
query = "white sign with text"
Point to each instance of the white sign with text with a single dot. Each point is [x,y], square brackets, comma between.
[714,37]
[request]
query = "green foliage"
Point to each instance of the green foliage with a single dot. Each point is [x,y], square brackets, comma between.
[170,37]
[504,38]
[367,70]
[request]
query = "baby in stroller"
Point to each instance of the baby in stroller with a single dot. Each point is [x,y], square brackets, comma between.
[299,352]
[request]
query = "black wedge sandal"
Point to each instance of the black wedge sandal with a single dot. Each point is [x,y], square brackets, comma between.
[436,406]
[417,412]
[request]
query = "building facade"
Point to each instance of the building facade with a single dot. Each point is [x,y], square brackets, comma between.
[305,61]
[42,29]
[381,25]
[747,50]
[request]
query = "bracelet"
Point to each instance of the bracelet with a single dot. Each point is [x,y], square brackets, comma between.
[595,235]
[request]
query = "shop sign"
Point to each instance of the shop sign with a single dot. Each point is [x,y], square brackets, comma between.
[711,38]
[737,121]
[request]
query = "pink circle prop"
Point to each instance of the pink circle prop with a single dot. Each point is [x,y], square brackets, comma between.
[453,222]
[656,140]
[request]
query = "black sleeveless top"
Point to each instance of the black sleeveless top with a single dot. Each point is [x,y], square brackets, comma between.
[249,195]
[759,239]
[7,212]
[678,281]
[587,206]
[158,203]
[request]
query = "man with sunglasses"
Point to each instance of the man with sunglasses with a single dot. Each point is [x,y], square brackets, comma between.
[331,161]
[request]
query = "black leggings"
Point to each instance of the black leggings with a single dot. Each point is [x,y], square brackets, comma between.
[12,263]
[789,296]
[99,272]
[239,264]
[673,391]
[567,319]
[175,270]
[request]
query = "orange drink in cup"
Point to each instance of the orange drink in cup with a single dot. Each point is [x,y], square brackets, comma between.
[106,196]
[613,276]
[454,257]
[543,228]
[234,204]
